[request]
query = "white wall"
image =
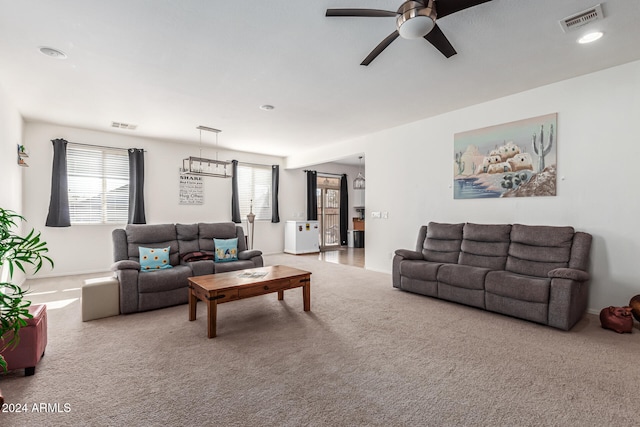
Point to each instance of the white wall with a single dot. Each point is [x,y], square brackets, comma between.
[10,173]
[88,248]
[325,154]
[10,138]
[598,152]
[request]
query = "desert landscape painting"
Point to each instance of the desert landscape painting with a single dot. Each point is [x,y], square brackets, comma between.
[516,159]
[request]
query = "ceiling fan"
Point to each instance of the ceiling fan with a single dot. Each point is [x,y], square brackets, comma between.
[414,19]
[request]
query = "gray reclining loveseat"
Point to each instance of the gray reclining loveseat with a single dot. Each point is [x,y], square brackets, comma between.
[191,253]
[537,273]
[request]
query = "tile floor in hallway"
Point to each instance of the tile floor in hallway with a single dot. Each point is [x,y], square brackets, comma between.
[346,256]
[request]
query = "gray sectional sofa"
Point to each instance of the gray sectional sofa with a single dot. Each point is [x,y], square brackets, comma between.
[536,273]
[191,254]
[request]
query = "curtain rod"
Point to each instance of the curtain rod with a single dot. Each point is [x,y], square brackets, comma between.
[325,173]
[100,146]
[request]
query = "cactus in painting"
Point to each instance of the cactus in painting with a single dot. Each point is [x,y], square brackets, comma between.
[459,162]
[514,180]
[540,149]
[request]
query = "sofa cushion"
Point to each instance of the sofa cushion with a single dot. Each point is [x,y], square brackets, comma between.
[536,250]
[443,242]
[485,245]
[154,259]
[420,270]
[516,286]
[226,250]
[462,276]
[187,238]
[152,236]
[219,230]
[164,280]
[201,267]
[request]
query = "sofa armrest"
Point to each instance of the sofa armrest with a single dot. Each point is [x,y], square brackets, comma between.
[402,255]
[248,254]
[409,254]
[128,282]
[569,273]
[568,297]
[125,265]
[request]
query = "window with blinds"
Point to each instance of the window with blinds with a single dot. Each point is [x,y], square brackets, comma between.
[98,181]
[254,187]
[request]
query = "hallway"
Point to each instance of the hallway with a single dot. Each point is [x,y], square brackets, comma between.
[346,256]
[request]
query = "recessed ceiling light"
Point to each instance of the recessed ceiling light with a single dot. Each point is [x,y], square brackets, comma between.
[267,107]
[590,37]
[53,53]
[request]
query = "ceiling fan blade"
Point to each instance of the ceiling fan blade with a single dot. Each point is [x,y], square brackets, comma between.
[447,7]
[382,46]
[366,13]
[437,38]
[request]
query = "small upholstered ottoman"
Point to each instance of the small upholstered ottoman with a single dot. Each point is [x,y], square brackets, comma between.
[33,342]
[100,298]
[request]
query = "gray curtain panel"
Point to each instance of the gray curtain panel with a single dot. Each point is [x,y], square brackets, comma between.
[59,202]
[312,198]
[136,186]
[344,210]
[235,198]
[275,183]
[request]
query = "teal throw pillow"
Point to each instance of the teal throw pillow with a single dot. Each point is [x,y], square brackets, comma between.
[226,250]
[154,258]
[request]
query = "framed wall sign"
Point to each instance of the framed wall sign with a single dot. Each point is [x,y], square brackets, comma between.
[191,189]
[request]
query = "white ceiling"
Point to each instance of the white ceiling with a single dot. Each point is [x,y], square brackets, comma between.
[169,66]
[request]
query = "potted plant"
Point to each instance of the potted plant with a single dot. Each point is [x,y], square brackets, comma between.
[16,251]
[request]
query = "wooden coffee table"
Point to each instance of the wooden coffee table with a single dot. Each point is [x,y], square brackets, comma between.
[215,289]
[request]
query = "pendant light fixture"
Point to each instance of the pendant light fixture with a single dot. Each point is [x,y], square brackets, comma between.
[358,183]
[206,167]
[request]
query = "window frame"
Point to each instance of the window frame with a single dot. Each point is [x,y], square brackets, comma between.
[263,211]
[111,167]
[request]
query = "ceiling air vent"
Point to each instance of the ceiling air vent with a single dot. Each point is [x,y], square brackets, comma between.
[123,126]
[578,20]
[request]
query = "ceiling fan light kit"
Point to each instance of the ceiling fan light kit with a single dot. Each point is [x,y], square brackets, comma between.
[414,19]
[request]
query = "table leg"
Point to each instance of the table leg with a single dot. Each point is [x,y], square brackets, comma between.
[280,295]
[212,314]
[192,304]
[306,295]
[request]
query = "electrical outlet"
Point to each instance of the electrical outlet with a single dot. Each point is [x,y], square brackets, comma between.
[385,215]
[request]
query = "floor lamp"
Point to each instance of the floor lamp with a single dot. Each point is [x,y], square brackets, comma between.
[250,218]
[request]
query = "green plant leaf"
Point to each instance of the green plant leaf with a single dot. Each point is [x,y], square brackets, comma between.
[16,252]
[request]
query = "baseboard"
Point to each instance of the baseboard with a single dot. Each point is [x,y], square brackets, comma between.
[40,275]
